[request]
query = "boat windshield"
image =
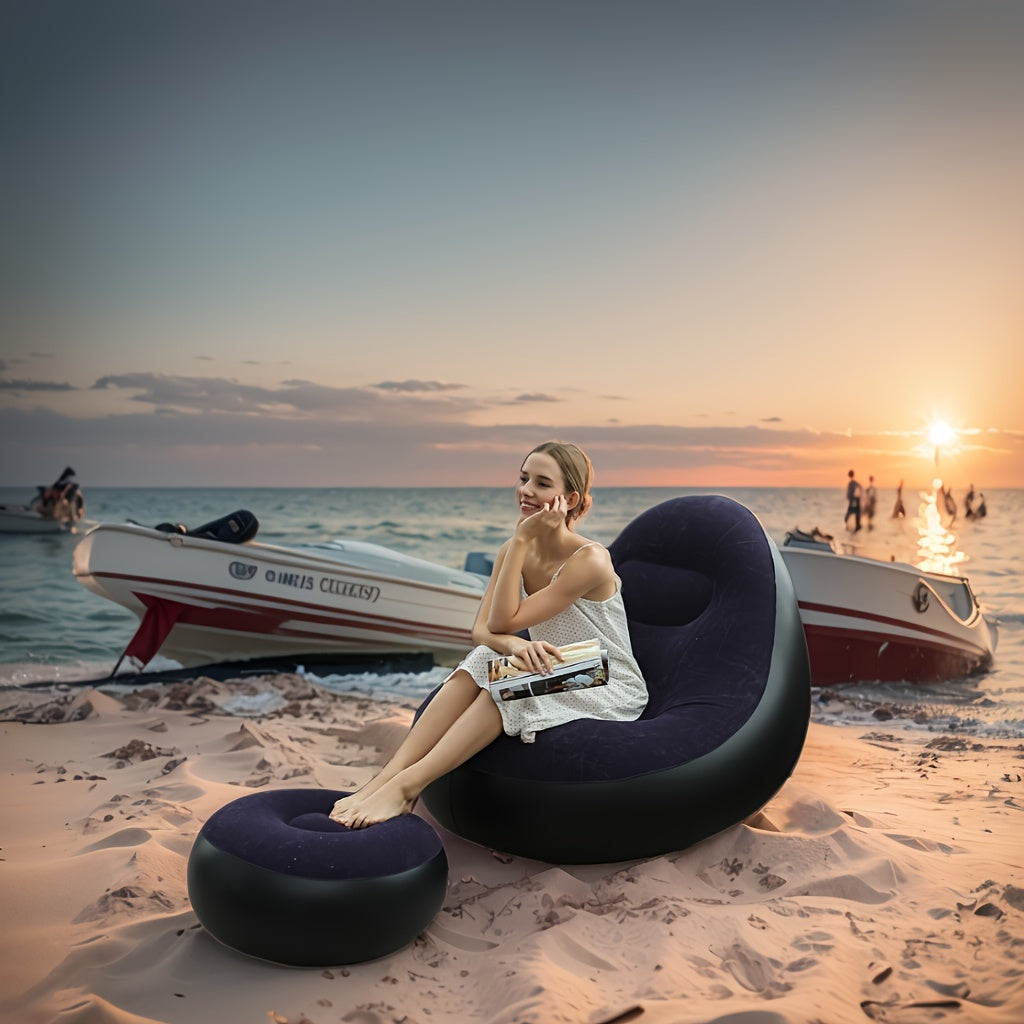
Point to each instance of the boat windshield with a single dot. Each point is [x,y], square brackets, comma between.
[376,558]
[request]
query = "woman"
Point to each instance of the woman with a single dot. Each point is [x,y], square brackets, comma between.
[546,579]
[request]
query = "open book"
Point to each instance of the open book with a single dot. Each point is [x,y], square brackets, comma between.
[585,665]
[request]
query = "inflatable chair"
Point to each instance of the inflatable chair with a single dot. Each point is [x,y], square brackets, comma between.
[715,628]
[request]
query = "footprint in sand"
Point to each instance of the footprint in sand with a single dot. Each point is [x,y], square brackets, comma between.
[813,818]
[861,819]
[815,942]
[470,943]
[927,845]
[575,952]
[749,969]
[245,737]
[856,888]
[122,838]
[126,898]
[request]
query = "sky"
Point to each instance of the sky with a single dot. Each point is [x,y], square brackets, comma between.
[343,243]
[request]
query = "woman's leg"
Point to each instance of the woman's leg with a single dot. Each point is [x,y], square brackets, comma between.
[479,725]
[456,694]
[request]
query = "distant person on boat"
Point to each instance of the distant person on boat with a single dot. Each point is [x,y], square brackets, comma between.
[853,496]
[559,586]
[62,499]
[74,502]
[898,511]
[870,502]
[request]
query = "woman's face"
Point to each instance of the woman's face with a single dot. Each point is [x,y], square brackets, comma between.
[540,482]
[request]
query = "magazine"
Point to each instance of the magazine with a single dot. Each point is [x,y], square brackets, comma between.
[585,665]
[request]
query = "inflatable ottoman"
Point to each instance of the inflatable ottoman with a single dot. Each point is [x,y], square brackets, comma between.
[271,875]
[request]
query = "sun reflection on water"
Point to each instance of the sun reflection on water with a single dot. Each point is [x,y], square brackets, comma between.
[937,549]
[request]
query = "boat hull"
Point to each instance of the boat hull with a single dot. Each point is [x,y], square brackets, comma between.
[244,601]
[21,519]
[868,621]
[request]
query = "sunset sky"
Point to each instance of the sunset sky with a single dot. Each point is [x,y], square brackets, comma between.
[341,243]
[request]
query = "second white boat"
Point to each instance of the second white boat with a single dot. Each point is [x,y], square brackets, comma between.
[872,621]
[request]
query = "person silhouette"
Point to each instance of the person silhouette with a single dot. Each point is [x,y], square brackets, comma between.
[949,503]
[898,511]
[870,501]
[853,496]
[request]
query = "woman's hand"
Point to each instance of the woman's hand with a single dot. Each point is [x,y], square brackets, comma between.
[550,517]
[535,655]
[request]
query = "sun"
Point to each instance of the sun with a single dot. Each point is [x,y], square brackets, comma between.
[941,434]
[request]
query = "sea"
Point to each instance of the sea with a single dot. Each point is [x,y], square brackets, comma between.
[54,632]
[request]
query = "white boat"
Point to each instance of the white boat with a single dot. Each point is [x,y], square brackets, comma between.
[24,519]
[867,620]
[55,509]
[201,600]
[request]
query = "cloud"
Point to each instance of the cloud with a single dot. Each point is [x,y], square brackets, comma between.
[409,401]
[413,386]
[400,442]
[34,385]
[771,419]
[536,396]
[218,432]
[191,393]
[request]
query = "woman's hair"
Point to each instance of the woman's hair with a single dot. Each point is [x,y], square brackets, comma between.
[576,470]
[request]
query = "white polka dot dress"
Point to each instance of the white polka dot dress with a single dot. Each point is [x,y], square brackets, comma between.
[622,699]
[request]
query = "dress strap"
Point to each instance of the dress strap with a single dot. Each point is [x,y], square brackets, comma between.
[589,544]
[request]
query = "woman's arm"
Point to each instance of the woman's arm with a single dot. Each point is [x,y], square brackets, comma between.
[533,655]
[481,632]
[587,574]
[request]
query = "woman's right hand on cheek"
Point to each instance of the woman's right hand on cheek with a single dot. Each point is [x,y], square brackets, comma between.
[550,517]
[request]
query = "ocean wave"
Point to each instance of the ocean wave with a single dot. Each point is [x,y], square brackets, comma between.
[416,685]
[1015,619]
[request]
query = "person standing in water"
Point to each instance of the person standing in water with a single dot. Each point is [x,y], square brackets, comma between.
[870,501]
[898,511]
[853,494]
[559,586]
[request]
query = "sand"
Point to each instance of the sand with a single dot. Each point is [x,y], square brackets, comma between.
[884,882]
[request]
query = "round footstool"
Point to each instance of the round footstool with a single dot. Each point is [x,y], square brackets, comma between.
[271,875]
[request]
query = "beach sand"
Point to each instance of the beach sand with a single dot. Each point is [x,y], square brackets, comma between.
[884,882]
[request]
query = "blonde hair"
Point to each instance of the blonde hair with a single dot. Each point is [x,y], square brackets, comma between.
[577,471]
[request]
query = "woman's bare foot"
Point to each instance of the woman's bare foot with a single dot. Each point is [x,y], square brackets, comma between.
[347,805]
[388,801]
